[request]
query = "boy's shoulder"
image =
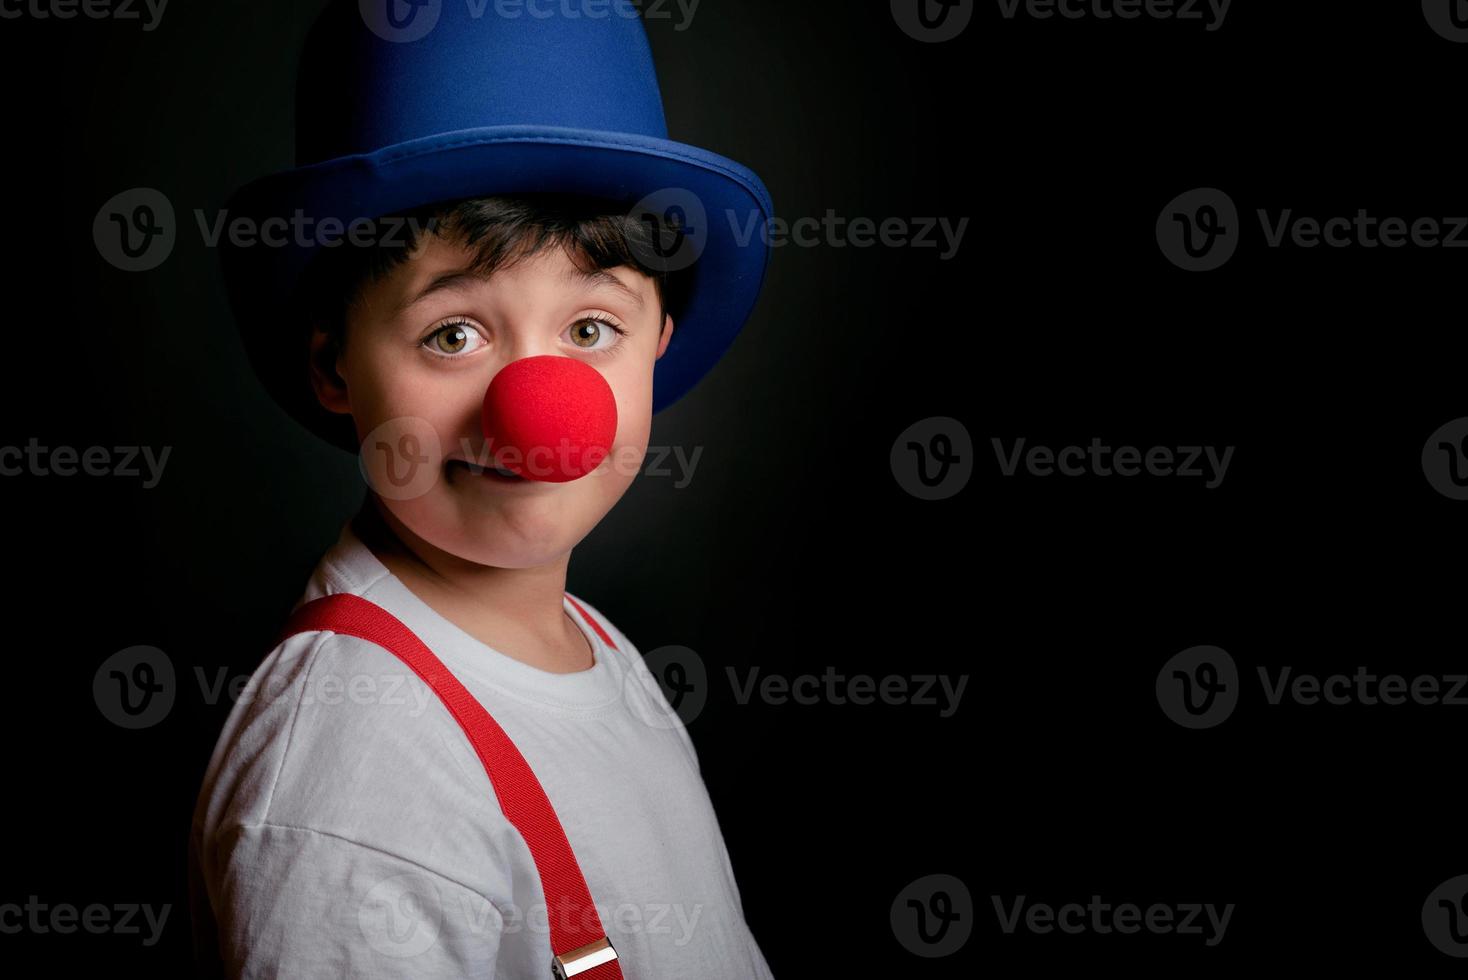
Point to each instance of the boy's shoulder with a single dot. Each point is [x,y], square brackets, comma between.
[337,741]
[330,720]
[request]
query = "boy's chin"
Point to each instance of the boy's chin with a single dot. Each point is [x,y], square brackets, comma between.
[501,558]
[495,541]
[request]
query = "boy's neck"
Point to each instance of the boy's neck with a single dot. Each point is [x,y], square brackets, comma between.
[517,611]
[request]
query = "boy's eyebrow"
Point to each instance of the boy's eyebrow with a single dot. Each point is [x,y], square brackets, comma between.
[601,277]
[455,279]
[458,278]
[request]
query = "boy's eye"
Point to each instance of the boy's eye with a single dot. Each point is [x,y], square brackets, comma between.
[453,338]
[587,332]
[456,338]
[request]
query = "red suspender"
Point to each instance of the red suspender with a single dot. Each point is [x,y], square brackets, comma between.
[578,941]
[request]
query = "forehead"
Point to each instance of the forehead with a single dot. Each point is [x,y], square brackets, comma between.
[440,266]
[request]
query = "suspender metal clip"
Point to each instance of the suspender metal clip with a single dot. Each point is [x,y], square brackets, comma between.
[583,958]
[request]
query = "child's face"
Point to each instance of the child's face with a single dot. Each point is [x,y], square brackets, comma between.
[422,349]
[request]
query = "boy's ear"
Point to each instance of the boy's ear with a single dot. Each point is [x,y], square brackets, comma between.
[331,390]
[667,334]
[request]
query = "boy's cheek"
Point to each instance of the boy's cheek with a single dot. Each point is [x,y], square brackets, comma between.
[402,455]
[625,461]
[634,429]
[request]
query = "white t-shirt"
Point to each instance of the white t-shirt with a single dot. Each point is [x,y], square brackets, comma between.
[346,828]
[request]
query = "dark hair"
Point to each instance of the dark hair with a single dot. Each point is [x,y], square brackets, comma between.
[596,233]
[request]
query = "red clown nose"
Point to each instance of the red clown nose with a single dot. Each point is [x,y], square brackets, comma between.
[550,417]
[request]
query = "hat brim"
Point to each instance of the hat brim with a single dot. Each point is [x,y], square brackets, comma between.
[732,254]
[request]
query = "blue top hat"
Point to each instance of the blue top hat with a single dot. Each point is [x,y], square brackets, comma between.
[403,103]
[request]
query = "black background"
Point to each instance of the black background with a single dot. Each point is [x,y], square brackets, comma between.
[794,548]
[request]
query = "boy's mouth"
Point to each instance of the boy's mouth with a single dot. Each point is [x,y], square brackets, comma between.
[490,472]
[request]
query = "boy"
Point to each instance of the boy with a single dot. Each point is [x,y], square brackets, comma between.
[423,784]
